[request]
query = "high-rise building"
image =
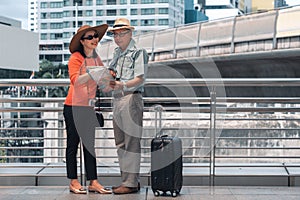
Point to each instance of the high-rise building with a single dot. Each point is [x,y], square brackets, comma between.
[58,20]
[251,6]
[202,10]
[32,15]
[194,11]
[6,21]
[217,9]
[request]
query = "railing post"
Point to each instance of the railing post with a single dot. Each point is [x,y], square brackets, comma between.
[232,47]
[174,44]
[198,40]
[152,51]
[212,134]
[275,31]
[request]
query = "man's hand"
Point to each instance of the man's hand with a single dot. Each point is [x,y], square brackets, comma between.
[116,85]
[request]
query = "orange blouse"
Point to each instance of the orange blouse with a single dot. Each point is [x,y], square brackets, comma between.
[81,94]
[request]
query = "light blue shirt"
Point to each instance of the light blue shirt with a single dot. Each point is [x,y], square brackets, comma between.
[131,63]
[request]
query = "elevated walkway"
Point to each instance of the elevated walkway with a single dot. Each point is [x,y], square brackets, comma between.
[187,192]
[238,174]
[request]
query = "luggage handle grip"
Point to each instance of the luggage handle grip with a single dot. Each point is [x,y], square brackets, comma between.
[158,117]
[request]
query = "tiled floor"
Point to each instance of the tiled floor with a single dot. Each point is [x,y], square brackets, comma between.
[187,193]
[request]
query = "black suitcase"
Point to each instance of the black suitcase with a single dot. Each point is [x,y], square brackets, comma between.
[166,164]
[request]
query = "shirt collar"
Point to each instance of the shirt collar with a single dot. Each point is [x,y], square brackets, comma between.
[130,48]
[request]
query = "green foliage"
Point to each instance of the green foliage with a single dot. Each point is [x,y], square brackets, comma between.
[48,70]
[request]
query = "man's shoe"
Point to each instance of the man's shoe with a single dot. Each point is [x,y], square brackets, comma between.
[139,186]
[125,190]
[100,190]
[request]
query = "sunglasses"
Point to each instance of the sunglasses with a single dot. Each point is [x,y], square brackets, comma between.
[122,34]
[90,37]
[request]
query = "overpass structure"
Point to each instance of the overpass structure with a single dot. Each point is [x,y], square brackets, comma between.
[261,45]
[229,140]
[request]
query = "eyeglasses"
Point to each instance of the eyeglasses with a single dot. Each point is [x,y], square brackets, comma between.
[90,37]
[122,34]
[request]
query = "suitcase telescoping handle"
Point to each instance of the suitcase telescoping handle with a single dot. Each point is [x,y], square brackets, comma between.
[158,117]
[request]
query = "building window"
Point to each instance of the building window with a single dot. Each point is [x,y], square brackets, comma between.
[43,15]
[99,2]
[44,5]
[111,2]
[79,13]
[148,22]
[99,22]
[66,35]
[55,36]
[111,12]
[134,22]
[44,26]
[56,26]
[67,3]
[133,11]
[56,4]
[110,22]
[147,1]
[163,11]
[79,24]
[44,36]
[123,11]
[122,2]
[163,22]
[67,57]
[56,15]
[89,13]
[66,46]
[79,2]
[89,2]
[99,12]
[89,23]
[148,11]
[66,24]
[133,1]
[67,14]
[163,1]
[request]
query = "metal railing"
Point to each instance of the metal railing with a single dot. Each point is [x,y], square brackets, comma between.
[216,131]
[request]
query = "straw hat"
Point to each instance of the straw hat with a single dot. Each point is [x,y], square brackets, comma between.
[75,42]
[121,23]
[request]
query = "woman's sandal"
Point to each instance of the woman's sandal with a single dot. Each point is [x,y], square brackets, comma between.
[77,191]
[100,190]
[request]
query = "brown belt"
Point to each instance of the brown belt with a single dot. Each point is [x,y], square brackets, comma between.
[123,94]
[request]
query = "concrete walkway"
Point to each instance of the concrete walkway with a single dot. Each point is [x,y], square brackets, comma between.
[187,193]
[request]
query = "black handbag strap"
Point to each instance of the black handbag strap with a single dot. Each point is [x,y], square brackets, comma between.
[98,94]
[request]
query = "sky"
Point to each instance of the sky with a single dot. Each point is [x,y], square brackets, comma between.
[17,9]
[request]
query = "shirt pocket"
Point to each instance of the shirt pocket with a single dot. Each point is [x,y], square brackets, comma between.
[128,65]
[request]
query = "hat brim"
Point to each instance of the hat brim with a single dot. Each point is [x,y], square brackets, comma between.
[119,28]
[75,42]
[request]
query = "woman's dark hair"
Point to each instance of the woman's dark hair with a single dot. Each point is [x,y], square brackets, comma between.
[83,54]
[81,51]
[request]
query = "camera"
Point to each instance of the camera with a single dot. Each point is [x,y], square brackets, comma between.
[197,7]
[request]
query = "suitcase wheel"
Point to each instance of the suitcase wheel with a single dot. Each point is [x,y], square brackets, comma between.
[174,193]
[156,193]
